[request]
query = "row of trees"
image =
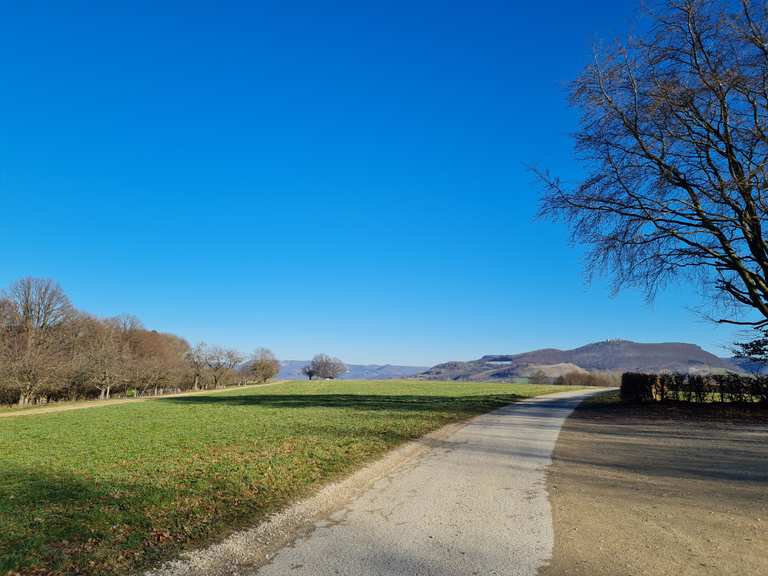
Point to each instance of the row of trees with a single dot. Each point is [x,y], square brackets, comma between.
[576,378]
[51,351]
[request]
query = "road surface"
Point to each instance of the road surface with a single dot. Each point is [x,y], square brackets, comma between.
[475,503]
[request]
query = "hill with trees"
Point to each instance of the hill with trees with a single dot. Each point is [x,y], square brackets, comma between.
[607,356]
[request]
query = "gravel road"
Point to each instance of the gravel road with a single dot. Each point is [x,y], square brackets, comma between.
[474,503]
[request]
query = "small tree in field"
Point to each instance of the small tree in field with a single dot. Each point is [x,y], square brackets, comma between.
[324,366]
[308,371]
[538,377]
[263,365]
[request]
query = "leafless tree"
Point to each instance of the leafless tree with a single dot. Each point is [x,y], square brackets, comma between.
[33,312]
[37,303]
[308,371]
[674,136]
[221,363]
[196,357]
[50,351]
[324,366]
[263,365]
[157,360]
[539,377]
[106,358]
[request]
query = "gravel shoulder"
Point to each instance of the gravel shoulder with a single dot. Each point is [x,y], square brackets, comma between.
[659,491]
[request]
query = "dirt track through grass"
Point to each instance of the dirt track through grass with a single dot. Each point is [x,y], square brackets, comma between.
[108,491]
[10,412]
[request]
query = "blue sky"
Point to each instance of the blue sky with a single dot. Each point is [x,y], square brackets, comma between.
[339,177]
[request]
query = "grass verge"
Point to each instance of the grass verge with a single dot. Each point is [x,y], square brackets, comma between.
[118,488]
[64,405]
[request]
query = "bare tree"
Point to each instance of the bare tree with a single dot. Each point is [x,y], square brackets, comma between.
[39,302]
[324,366]
[50,351]
[308,371]
[196,359]
[221,363]
[263,365]
[106,359]
[539,377]
[33,312]
[157,360]
[674,135]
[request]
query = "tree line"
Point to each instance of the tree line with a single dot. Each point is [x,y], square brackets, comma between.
[51,351]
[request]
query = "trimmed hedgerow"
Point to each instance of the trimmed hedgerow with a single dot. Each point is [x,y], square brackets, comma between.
[730,387]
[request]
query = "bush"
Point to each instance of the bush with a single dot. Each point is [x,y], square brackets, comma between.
[539,377]
[637,387]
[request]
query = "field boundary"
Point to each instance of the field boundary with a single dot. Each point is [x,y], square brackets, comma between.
[85,404]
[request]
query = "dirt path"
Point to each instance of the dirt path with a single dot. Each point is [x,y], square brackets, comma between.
[652,493]
[467,499]
[67,406]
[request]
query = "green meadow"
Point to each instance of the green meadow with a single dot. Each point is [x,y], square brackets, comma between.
[112,489]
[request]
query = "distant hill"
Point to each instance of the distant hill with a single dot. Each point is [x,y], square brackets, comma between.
[291,370]
[607,356]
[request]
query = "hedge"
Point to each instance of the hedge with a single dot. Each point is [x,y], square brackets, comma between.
[636,387]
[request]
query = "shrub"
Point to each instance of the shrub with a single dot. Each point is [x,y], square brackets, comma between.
[539,377]
[636,387]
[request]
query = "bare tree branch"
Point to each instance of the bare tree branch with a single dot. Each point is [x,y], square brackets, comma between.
[673,134]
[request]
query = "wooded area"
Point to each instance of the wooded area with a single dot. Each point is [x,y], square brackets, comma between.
[51,351]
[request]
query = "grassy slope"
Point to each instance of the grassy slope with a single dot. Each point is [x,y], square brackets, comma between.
[108,490]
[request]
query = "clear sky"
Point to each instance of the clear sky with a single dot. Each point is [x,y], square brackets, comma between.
[339,177]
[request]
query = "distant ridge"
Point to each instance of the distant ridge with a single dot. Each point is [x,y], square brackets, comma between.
[606,356]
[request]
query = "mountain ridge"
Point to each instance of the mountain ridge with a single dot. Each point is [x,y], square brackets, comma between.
[604,356]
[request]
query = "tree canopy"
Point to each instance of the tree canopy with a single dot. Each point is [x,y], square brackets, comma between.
[674,139]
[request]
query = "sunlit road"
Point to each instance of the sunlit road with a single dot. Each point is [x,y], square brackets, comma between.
[475,503]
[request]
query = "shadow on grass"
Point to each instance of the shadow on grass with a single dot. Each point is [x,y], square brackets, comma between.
[51,522]
[353,401]
[61,523]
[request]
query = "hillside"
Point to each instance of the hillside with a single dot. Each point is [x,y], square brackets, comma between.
[607,356]
[291,370]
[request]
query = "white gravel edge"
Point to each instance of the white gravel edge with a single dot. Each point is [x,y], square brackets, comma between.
[245,551]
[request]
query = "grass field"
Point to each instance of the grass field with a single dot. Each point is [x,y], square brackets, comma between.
[112,489]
